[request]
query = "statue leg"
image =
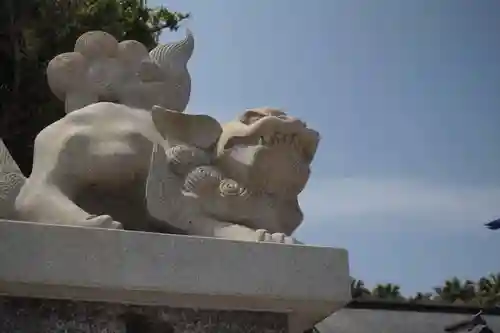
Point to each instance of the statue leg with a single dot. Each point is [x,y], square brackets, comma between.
[47,204]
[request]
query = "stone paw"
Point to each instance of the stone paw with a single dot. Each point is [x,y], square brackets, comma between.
[277,237]
[102,221]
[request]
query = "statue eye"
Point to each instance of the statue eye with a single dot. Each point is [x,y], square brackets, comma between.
[250,117]
[255,118]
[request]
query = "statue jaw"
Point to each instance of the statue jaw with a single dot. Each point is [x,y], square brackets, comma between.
[263,169]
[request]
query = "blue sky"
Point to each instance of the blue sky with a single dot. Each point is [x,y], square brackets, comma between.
[405,96]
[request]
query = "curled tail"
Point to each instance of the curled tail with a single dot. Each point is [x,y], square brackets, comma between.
[11,181]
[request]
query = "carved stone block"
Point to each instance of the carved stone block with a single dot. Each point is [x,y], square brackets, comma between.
[207,277]
[30,315]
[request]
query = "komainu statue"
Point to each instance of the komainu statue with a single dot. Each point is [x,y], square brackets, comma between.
[126,155]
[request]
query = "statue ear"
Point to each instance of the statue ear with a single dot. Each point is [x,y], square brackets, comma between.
[201,131]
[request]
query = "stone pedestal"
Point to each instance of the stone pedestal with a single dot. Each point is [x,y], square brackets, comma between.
[29,315]
[71,279]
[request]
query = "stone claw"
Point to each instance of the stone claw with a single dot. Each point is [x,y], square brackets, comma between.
[102,221]
[277,237]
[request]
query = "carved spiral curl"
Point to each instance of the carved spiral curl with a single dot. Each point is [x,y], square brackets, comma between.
[183,158]
[9,181]
[172,58]
[229,187]
[202,178]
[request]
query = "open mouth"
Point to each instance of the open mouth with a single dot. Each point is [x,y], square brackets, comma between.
[281,139]
[108,99]
[305,143]
[284,141]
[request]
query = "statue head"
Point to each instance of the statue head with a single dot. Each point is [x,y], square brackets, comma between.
[103,69]
[264,150]
[267,150]
[250,170]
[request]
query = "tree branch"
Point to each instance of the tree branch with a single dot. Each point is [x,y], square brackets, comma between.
[160,28]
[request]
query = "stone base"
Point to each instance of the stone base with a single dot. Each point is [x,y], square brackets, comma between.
[238,283]
[28,315]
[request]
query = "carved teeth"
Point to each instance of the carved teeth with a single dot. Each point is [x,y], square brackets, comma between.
[280,139]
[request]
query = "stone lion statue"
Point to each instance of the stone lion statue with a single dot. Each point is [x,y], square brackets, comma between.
[127,156]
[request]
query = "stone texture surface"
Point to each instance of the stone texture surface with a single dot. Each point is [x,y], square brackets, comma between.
[57,316]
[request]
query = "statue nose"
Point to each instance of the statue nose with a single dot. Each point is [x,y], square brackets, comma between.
[289,125]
